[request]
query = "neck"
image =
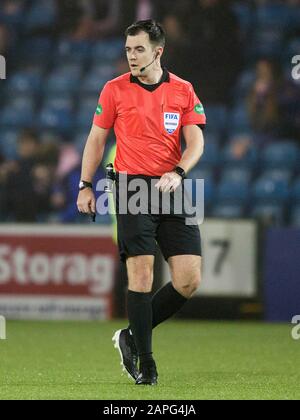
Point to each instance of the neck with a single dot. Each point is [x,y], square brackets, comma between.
[152,77]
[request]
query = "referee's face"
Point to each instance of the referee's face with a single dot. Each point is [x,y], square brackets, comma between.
[140,52]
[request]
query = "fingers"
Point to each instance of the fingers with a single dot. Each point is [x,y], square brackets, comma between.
[87,208]
[171,186]
[86,204]
[174,185]
[169,182]
[163,182]
[93,206]
[84,209]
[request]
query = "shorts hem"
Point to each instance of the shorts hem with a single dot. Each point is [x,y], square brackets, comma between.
[124,256]
[175,254]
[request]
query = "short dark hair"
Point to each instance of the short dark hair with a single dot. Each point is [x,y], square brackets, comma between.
[151,27]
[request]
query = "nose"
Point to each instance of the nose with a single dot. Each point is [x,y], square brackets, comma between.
[132,56]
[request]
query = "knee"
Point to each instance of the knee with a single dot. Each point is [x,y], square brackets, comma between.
[195,284]
[141,282]
[189,287]
[140,273]
[141,286]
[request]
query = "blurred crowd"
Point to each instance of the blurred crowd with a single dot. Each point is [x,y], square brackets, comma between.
[209,42]
[41,184]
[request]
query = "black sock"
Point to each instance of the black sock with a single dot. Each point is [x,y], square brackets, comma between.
[139,309]
[165,303]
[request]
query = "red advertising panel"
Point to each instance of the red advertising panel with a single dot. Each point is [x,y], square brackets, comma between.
[56,272]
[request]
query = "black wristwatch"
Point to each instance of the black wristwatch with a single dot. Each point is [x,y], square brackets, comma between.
[85,184]
[180,172]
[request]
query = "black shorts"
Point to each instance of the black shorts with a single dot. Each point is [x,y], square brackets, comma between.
[139,234]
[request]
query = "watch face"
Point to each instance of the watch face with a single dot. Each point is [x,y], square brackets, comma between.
[85,184]
[180,171]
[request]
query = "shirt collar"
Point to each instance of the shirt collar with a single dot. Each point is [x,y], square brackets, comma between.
[164,79]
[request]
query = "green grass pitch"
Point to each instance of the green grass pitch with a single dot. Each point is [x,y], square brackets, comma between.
[196,360]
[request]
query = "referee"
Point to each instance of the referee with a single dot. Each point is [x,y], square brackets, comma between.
[148,108]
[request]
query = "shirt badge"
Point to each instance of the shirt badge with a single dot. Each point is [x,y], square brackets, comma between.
[171,121]
[99,109]
[199,109]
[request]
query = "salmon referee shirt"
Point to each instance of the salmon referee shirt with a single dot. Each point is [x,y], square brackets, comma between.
[147,121]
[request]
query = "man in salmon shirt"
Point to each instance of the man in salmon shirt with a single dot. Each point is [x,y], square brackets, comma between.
[148,108]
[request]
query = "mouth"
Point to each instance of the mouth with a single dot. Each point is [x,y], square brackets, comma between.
[134,66]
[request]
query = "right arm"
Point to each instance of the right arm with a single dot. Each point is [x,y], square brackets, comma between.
[92,157]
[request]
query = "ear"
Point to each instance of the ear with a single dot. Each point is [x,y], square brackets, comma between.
[159,53]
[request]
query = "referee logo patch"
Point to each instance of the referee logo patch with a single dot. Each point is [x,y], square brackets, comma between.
[171,121]
[99,109]
[199,109]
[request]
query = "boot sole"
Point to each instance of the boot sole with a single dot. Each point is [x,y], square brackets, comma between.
[116,340]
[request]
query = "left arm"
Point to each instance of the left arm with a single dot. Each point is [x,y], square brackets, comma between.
[194,149]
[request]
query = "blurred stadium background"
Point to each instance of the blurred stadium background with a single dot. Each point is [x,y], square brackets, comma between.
[238,55]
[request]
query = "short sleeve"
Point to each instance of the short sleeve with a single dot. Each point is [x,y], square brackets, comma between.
[105,114]
[194,113]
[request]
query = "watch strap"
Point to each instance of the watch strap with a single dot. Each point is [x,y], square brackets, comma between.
[180,171]
[85,184]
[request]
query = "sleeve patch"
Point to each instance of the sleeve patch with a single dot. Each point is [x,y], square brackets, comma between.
[199,109]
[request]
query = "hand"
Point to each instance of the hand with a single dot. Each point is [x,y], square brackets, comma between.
[169,182]
[86,201]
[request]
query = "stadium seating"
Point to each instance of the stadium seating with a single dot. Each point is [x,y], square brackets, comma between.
[244,15]
[63,81]
[15,16]
[73,51]
[55,81]
[19,101]
[267,42]
[59,103]
[273,15]
[19,115]
[107,51]
[60,122]
[86,112]
[217,117]
[210,156]
[42,14]
[92,83]
[211,137]
[271,214]
[80,140]
[8,143]
[281,155]
[270,191]
[228,211]
[201,173]
[295,192]
[234,174]
[26,82]
[244,84]
[293,47]
[295,216]
[278,175]
[232,192]
[249,160]
[206,174]
[239,119]
[36,50]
